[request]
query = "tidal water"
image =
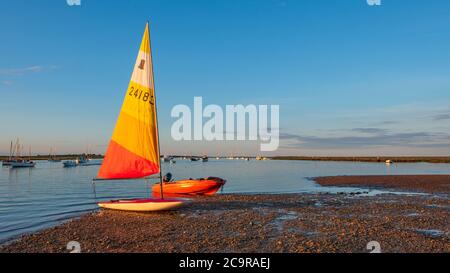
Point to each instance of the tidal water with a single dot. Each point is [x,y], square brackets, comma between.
[33,199]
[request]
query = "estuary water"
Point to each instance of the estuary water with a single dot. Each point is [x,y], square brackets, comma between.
[33,199]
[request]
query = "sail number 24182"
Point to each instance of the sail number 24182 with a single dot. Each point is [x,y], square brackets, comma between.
[140,94]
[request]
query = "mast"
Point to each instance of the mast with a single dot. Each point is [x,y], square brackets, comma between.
[156,114]
[16,149]
[10,151]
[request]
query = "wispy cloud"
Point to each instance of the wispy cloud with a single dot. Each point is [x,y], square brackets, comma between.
[410,139]
[25,70]
[369,130]
[7,83]
[442,117]
[387,122]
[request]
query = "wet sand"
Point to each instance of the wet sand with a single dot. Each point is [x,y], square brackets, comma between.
[413,183]
[288,223]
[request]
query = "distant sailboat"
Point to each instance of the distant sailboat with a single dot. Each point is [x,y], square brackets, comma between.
[133,151]
[51,157]
[10,158]
[21,163]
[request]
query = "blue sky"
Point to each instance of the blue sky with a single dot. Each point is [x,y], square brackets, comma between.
[350,79]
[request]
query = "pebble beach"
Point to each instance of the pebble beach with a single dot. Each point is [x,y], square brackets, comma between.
[282,223]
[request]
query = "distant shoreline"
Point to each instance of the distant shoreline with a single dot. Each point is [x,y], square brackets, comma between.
[395,159]
[374,159]
[58,157]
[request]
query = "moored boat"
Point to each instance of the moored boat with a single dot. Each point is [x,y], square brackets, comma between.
[81,161]
[6,163]
[13,153]
[167,159]
[23,164]
[52,158]
[70,163]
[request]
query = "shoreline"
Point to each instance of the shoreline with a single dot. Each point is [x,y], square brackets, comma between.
[281,223]
[368,159]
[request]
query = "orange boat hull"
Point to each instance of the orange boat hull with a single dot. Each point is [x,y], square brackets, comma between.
[207,187]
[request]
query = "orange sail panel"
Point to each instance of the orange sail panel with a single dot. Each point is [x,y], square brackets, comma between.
[133,151]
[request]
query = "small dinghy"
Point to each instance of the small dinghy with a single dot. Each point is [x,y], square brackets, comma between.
[203,186]
[133,152]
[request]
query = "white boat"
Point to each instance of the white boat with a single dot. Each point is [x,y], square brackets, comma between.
[90,162]
[169,159]
[14,154]
[23,164]
[70,163]
[81,161]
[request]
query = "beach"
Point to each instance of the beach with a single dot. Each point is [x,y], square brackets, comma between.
[282,223]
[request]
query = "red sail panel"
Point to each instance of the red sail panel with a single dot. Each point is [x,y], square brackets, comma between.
[119,163]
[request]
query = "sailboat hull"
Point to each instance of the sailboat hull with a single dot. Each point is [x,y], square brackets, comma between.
[142,205]
[23,165]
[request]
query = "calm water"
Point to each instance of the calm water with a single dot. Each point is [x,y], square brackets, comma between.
[32,199]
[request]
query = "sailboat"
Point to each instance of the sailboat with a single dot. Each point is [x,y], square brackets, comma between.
[133,151]
[10,158]
[51,157]
[21,163]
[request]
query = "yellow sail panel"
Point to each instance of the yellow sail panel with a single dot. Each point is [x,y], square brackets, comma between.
[133,151]
[128,129]
[139,103]
[145,44]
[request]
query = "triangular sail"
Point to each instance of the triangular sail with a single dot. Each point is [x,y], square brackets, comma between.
[133,151]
